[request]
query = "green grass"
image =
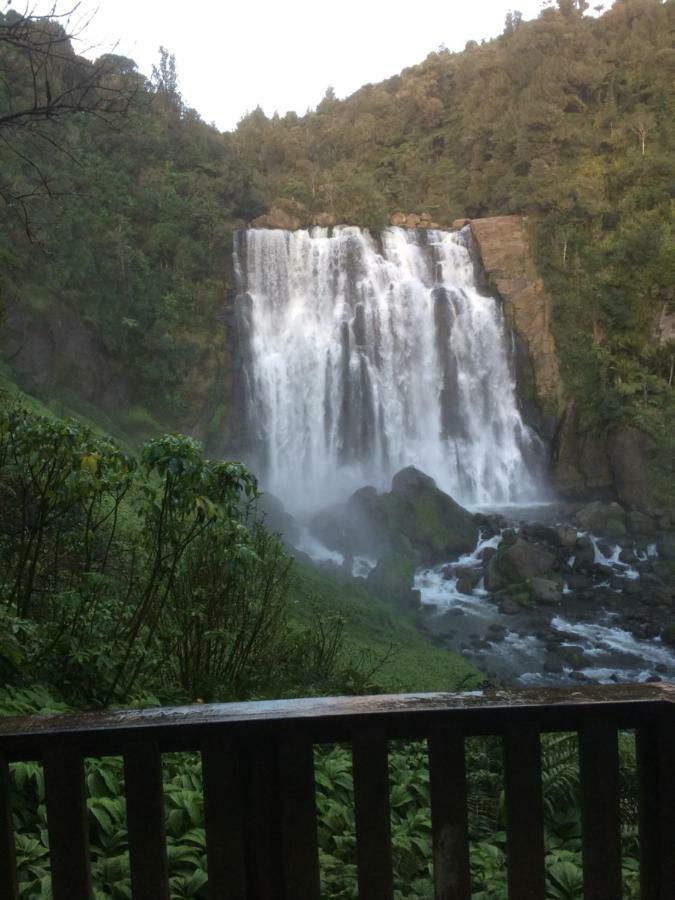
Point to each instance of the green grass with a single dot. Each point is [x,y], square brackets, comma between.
[129,427]
[375,629]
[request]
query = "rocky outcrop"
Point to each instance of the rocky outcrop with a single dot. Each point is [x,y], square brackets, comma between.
[415,520]
[53,350]
[279,217]
[580,463]
[629,451]
[588,463]
[664,324]
[505,252]
[56,354]
[607,519]
[413,220]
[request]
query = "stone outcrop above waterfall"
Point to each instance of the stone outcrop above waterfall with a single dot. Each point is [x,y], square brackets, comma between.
[413,220]
[279,217]
[506,255]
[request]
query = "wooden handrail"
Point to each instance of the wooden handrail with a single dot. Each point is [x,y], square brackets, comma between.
[259,795]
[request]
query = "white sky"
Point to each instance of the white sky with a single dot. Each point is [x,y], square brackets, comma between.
[234,55]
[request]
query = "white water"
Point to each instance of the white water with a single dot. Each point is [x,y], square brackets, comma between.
[362,359]
[611,652]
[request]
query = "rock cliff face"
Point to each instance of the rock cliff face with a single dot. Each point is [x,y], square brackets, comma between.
[504,249]
[56,354]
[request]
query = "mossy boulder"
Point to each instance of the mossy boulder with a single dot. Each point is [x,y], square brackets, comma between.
[430,521]
[584,554]
[668,635]
[393,579]
[639,523]
[517,563]
[546,591]
[608,519]
[416,520]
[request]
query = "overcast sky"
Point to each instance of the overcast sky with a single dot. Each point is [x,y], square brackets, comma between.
[234,55]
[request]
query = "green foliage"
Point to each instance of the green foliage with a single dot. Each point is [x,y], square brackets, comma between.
[123,577]
[126,234]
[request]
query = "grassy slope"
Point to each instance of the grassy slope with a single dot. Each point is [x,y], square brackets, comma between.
[375,629]
[128,429]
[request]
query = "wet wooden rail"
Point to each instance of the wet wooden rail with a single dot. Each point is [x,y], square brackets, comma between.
[259,796]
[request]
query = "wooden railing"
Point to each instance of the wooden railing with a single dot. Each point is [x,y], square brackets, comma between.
[259,795]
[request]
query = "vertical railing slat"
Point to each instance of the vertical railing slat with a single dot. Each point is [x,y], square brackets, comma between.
[524,816]
[263,851]
[600,811]
[144,791]
[449,814]
[224,819]
[67,823]
[298,818]
[656,778]
[8,884]
[372,814]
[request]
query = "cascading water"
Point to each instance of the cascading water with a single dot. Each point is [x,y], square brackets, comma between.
[359,359]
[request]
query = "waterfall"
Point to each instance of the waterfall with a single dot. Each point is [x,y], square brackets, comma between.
[360,357]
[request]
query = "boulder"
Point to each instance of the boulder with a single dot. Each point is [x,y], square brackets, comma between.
[416,520]
[584,554]
[434,525]
[392,580]
[567,536]
[572,657]
[547,591]
[465,585]
[275,518]
[486,554]
[333,527]
[578,582]
[543,534]
[603,518]
[516,563]
[639,523]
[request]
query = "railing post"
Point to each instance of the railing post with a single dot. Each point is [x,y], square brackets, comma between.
[264,874]
[224,819]
[524,816]
[449,814]
[144,788]
[600,812]
[298,818]
[8,884]
[656,778]
[371,811]
[67,823]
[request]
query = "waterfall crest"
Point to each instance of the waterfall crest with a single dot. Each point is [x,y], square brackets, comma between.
[363,357]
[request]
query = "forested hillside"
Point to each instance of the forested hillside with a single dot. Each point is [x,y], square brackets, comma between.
[114,232]
[116,228]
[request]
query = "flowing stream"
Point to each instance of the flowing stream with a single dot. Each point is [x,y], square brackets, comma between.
[362,356]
